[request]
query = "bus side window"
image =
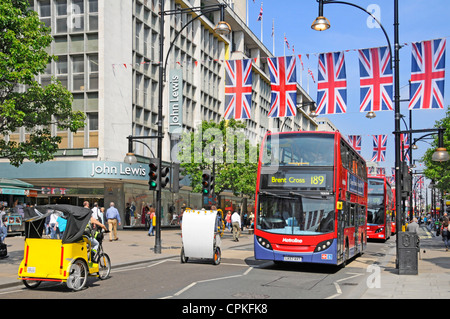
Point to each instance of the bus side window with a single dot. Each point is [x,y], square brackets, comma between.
[344,155]
[352,214]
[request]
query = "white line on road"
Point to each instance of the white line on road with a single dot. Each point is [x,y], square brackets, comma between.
[338,288]
[206,280]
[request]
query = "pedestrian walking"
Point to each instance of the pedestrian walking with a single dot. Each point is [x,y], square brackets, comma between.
[152,221]
[228,220]
[54,232]
[445,233]
[113,217]
[61,223]
[3,228]
[236,224]
[413,226]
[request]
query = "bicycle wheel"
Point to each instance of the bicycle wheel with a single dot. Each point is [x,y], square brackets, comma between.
[104,266]
[77,275]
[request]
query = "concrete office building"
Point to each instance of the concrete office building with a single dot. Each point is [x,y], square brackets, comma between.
[108,57]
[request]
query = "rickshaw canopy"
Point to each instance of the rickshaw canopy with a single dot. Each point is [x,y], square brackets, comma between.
[77,220]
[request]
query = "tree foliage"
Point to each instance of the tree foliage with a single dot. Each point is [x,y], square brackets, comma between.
[436,171]
[23,102]
[224,146]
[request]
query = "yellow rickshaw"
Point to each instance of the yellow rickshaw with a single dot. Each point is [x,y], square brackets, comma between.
[70,259]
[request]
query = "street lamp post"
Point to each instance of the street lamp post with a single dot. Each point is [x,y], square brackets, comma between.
[221,28]
[320,24]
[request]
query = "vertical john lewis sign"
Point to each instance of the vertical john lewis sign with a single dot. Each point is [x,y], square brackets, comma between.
[175,101]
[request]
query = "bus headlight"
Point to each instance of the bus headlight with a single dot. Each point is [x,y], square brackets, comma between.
[323,245]
[264,242]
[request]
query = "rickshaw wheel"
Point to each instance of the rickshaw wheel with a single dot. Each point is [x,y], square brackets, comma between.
[31,284]
[217,256]
[77,275]
[183,257]
[104,266]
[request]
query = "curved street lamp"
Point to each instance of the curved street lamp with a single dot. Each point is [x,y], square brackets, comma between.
[222,28]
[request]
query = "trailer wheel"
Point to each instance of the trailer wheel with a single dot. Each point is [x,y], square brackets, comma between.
[183,257]
[217,256]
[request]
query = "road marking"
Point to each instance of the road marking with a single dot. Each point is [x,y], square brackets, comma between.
[338,288]
[206,280]
[141,267]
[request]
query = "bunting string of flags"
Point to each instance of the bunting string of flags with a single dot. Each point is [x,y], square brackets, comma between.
[376,81]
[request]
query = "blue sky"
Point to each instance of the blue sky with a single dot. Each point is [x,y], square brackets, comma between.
[419,20]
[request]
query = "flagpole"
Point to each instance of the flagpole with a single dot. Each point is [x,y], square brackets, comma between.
[262,24]
[273,37]
[301,72]
[307,84]
[284,45]
[246,18]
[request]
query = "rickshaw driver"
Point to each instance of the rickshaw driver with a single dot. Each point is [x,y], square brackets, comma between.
[90,229]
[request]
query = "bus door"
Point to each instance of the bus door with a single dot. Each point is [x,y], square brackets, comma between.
[340,231]
[358,229]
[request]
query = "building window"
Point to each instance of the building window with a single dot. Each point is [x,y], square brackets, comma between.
[76,20]
[93,121]
[93,71]
[61,70]
[78,73]
[45,12]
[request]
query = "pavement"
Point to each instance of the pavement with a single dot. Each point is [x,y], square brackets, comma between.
[135,246]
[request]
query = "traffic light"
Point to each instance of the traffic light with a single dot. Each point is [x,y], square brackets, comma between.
[164,176]
[406,180]
[177,176]
[155,170]
[153,174]
[207,182]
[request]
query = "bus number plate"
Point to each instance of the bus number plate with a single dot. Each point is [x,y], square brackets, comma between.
[292,258]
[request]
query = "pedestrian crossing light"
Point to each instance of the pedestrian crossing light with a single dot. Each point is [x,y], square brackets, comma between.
[207,182]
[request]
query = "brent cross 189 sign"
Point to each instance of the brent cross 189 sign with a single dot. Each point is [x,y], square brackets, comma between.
[297,180]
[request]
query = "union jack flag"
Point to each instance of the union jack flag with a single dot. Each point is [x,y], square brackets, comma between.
[375,80]
[284,86]
[379,148]
[238,89]
[355,141]
[427,75]
[332,84]
[420,182]
[404,141]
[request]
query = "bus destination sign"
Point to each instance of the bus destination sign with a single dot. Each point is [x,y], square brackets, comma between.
[295,180]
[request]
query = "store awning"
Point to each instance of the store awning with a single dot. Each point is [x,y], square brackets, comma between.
[6,182]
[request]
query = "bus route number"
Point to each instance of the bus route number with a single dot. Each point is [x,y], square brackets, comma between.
[317,179]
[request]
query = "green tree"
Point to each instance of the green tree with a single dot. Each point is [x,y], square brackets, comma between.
[23,102]
[439,172]
[224,146]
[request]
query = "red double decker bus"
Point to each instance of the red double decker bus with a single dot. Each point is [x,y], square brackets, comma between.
[311,199]
[380,208]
